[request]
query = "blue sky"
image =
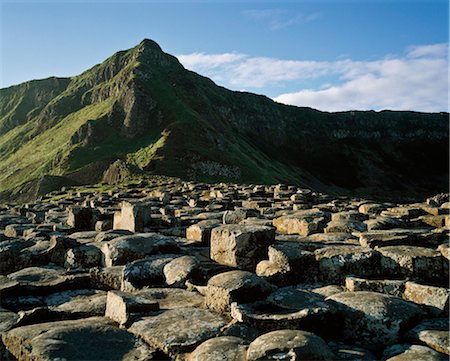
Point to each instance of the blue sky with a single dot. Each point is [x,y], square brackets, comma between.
[331,55]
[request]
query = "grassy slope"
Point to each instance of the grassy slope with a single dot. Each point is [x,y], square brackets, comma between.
[200,122]
[36,157]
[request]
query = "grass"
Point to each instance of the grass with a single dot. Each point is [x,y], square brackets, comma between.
[35,158]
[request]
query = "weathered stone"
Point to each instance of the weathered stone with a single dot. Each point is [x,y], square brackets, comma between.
[84,256]
[433,333]
[389,287]
[287,308]
[140,245]
[445,250]
[178,330]
[201,231]
[235,286]
[145,272]
[345,226]
[412,353]
[120,306]
[88,339]
[372,208]
[372,319]
[409,261]
[399,237]
[44,280]
[8,320]
[107,278]
[17,230]
[238,215]
[404,212]
[219,349]
[181,269]
[336,262]
[384,223]
[435,297]
[302,222]
[288,264]
[170,298]
[77,303]
[289,345]
[241,246]
[133,216]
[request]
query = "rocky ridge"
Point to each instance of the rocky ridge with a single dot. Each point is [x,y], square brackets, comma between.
[142,108]
[172,270]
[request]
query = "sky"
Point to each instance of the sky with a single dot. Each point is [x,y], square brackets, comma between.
[331,55]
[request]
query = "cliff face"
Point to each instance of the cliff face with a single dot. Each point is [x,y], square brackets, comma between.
[143,107]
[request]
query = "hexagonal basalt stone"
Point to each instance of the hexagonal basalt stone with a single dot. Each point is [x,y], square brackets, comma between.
[373,320]
[219,349]
[88,339]
[419,262]
[241,246]
[235,286]
[289,345]
[178,330]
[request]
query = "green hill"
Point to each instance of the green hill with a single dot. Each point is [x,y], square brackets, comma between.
[143,107]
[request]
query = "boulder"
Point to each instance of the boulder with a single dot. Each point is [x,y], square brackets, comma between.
[178,330]
[437,298]
[180,270]
[201,231]
[432,333]
[418,262]
[88,339]
[336,262]
[289,345]
[287,308]
[241,246]
[302,222]
[122,306]
[145,272]
[124,249]
[219,349]
[373,320]
[235,286]
[389,287]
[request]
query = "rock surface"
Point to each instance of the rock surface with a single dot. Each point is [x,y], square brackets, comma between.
[192,271]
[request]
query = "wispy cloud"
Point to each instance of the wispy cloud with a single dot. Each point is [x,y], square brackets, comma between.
[279,18]
[415,80]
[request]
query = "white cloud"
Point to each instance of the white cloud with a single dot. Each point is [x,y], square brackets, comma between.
[417,80]
[209,61]
[434,50]
[280,18]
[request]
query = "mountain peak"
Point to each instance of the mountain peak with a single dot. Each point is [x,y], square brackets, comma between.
[148,51]
[148,44]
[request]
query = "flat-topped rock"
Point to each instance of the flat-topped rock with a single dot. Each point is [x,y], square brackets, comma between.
[336,262]
[373,320]
[241,245]
[302,222]
[220,349]
[432,333]
[387,286]
[87,339]
[124,249]
[289,345]
[418,262]
[235,286]
[148,271]
[178,330]
[287,308]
